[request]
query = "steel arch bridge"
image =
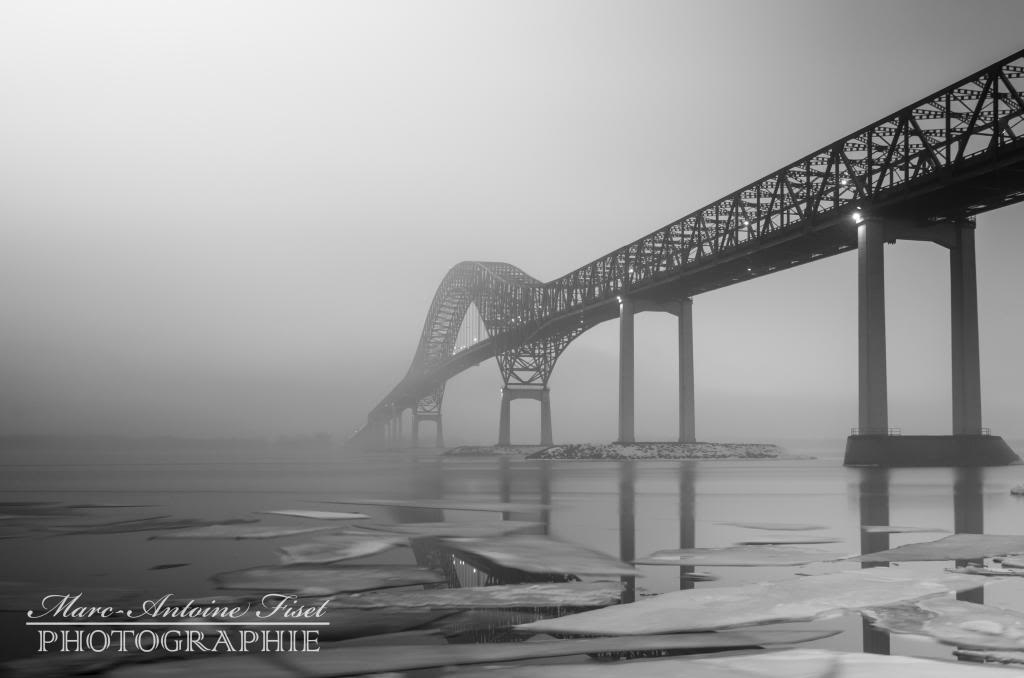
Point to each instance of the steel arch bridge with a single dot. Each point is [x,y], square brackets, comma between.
[938,161]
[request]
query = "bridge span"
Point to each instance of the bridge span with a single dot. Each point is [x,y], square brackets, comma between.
[921,173]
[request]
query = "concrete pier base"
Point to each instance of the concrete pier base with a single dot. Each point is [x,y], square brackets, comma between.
[909,451]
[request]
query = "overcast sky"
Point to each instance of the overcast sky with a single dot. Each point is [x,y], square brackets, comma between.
[229,218]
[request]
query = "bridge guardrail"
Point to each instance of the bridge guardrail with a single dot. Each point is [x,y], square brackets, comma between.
[876,431]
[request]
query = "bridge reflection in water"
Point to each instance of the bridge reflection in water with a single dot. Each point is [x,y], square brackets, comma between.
[629,509]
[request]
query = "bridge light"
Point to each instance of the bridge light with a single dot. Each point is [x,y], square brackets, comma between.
[746,222]
[843,182]
[857,218]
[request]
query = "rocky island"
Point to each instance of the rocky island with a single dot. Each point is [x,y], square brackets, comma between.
[618,451]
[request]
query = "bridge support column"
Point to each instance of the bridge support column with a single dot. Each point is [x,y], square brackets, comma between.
[965,353]
[539,393]
[392,432]
[873,396]
[627,422]
[970,445]
[505,419]
[417,418]
[687,419]
[545,418]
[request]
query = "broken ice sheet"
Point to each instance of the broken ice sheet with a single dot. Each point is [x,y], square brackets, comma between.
[954,622]
[797,599]
[780,541]
[318,515]
[444,504]
[800,663]
[776,526]
[326,580]
[222,531]
[147,524]
[562,594]
[490,528]
[698,576]
[987,571]
[740,556]
[953,547]
[898,529]
[345,623]
[538,554]
[331,549]
[992,657]
[357,660]
[814,663]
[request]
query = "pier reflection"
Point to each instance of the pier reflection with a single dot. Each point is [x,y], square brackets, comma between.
[874,499]
[969,518]
[874,511]
[687,511]
[627,524]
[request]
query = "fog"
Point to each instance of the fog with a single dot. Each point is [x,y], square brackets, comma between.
[229,219]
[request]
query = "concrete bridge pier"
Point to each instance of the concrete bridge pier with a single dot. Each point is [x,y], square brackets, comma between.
[510,393]
[627,375]
[393,435]
[439,429]
[874,443]
[965,351]
[683,309]
[687,418]
[873,389]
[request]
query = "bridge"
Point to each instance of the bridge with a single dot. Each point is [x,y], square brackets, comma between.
[922,173]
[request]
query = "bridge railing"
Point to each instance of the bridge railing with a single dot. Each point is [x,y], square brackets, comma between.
[869,431]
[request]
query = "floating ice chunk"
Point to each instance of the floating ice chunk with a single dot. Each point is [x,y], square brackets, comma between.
[491,528]
[953,547]
[740,556]
[897,529]
[331,549]
[954,622]
[238,532]
[534,553]
[357,660]
[562,594]
[318,515]
[776,526]
[797,599]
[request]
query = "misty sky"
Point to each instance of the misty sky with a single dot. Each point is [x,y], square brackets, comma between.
[229,218]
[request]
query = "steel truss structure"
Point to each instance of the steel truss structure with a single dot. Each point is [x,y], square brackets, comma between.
[949,156]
